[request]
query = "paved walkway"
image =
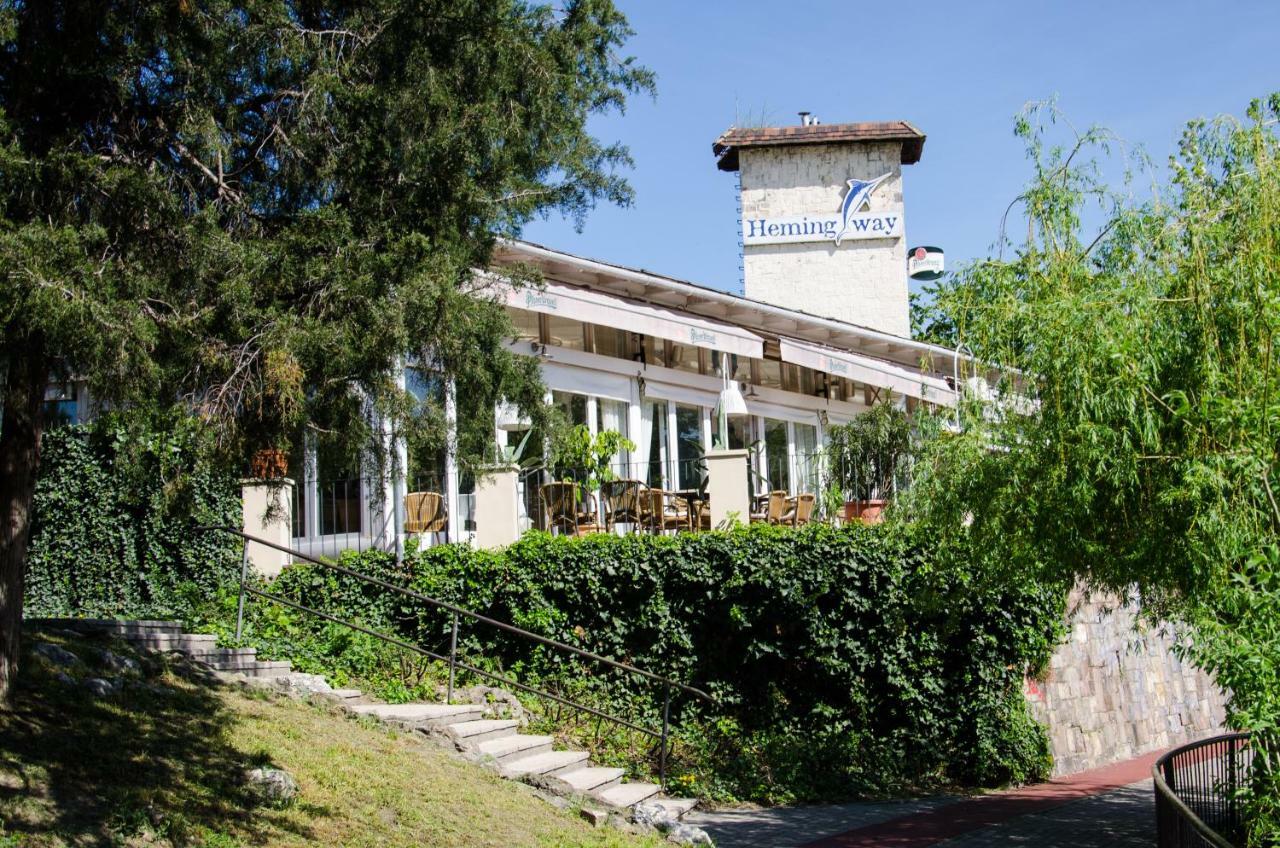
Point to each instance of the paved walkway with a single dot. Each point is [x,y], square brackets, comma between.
[1111,806]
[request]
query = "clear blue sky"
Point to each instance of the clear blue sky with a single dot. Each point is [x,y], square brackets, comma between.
[959,71]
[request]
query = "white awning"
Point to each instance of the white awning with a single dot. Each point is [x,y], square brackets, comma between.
[866,369]
[597,308]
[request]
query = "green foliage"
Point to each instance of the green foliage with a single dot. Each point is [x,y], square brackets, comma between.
[1147,462]
[575,451]
[115,505]
[261,210]
[867,457]
[842,661]
[264,207]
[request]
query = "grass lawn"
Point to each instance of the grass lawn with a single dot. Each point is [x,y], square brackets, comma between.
[161,762]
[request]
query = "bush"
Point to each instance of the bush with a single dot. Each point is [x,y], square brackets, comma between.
[114,509]
[843,661]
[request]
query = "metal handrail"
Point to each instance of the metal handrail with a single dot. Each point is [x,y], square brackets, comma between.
[1177,824]
[667,683]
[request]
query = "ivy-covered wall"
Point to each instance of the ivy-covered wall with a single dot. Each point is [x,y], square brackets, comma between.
[843,661]
[114,509]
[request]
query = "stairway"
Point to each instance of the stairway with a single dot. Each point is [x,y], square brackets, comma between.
[526,757]
[470,727]
[169,636]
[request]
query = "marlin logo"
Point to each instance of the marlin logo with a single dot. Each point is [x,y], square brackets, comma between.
[857,198]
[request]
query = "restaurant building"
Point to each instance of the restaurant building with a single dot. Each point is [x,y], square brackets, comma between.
[820,333]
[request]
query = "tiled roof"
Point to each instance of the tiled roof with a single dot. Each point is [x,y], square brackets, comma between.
[727,145]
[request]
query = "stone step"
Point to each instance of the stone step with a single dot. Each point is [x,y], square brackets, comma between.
[110,625]
[420,714]
[549,763]
[479,730]
[678,807]
[514,747]
[173,642]
[592,779]
[263,668]
[234,662]
[346,694]
[218,656]
[627,794]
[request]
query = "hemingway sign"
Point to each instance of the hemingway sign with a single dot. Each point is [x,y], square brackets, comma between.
[851,222]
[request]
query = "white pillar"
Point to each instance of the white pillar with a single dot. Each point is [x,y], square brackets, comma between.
[794,473]
[497,507]
[399,477]
[451,457]
[673,447]
[268,514]
[727,487]
[634,413]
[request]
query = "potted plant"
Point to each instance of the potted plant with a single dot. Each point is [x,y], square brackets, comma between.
[269,464]
[866,457]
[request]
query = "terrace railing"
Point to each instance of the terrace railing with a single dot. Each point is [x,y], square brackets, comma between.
[459,615]
[1196,788]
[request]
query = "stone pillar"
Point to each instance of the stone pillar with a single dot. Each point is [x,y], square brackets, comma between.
[727,486]
[268,514]
[497,507]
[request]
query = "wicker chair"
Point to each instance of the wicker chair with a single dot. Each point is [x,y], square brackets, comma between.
[620,503]
[775,504]
[658,514]
[560,505]
[424,512]
[799,510]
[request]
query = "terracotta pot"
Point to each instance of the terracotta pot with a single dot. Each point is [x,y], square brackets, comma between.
[868,512]
[269,464]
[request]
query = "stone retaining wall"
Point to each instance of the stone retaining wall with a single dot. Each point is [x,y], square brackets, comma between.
[1116,690]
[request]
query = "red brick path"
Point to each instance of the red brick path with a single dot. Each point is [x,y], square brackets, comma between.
[953,820]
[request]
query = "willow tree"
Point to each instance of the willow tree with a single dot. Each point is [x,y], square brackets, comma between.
[1149,463]
[260,209]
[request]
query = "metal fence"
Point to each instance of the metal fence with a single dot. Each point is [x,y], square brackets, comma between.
[329,515]
[1196,789]
[459,616]
[597,504]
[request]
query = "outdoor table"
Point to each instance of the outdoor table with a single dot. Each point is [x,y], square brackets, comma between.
[693,500]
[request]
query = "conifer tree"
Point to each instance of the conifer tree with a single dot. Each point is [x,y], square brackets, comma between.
[260,209]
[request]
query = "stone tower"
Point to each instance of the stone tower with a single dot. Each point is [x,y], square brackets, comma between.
[822,217]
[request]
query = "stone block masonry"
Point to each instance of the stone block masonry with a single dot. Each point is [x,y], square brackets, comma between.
[863,282]
[1116,689]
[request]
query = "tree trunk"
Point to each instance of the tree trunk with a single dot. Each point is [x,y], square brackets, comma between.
[20,430]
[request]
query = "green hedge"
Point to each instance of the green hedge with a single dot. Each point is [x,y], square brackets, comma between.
[844,661]
[114,509]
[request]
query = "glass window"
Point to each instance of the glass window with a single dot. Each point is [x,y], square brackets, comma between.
[60,407]
[526,324]
[740,427]
[657,424]
[739,366]
[771,373]
[298,473]
[655,351]
[565,332]
[612,415]
[688,446]
[777,464]
[610,341]
[338,490]
[424,385]
[808,383]
[684,357]
[574,407]
[807,458]
[790,377]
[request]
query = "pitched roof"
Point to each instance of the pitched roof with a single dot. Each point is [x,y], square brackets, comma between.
[727,145]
